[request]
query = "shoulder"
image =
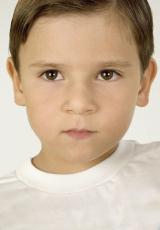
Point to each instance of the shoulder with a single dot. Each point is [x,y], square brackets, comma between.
[143,167]
[9,184]
[8,178]
[143,149]
[145,158]
[149,150]
[155,145]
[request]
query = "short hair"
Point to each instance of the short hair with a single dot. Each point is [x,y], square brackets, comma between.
[137,14]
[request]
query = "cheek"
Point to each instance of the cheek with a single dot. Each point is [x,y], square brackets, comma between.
[118,112]
[42,114]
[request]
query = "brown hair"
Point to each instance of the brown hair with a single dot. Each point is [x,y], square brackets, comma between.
[137,13]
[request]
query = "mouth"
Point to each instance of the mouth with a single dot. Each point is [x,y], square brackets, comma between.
[79,133]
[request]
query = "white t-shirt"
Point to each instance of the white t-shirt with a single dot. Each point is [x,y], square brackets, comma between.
[120,193]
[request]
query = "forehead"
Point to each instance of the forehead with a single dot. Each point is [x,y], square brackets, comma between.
[105,20]
[101,34]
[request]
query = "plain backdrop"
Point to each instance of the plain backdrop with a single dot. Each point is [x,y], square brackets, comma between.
[17,140]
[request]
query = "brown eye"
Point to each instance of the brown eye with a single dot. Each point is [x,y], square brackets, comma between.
[109,75]
[50,75]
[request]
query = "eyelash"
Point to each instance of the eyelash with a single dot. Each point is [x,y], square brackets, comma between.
[56,71]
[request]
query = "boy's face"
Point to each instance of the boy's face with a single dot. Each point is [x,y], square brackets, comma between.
[79,94]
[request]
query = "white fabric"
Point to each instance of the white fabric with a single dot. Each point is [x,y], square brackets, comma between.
[120,193]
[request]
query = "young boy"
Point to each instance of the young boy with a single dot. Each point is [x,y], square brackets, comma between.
[81,68]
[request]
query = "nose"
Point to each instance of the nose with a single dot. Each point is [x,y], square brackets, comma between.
[80,100]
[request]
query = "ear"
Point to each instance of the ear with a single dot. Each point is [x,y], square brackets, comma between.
[146,82]
[17,85]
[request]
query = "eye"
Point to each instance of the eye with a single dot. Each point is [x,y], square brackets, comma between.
[110,75]
[51,75]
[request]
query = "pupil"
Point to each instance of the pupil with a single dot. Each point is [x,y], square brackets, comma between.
[51,75]
[107,74]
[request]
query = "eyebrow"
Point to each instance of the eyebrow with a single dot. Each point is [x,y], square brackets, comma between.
[114,63]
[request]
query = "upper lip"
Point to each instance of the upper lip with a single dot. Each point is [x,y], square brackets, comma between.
[79,130]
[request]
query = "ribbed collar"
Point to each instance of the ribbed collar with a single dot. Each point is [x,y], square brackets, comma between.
[76,182]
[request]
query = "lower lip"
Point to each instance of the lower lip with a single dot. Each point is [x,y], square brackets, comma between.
[79,135]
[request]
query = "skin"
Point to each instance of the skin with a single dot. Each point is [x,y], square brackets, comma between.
[79,97]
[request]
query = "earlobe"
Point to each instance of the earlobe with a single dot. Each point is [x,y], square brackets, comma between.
[146,82]
[17,85]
